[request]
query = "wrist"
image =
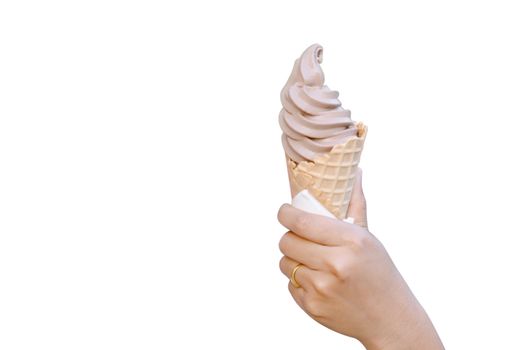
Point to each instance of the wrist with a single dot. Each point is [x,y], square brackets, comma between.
[412,331]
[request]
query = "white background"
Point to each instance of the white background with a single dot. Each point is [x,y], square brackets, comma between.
[141,167]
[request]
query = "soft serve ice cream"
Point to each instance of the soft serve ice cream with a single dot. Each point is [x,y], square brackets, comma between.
[312,119]
[322,144]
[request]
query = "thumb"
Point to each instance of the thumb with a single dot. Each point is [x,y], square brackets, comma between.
[357,205]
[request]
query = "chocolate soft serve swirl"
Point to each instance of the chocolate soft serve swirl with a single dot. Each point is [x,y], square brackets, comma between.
[312,119]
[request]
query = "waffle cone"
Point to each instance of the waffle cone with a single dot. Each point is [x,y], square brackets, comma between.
[331,176]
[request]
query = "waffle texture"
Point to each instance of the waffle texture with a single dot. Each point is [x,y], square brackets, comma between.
[330,177]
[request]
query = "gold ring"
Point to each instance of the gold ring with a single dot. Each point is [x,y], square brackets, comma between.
[293,276]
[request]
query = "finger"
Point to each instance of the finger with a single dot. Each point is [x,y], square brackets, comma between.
[298,294]
[288,265]
[357,206]
[315,228]
[306,252]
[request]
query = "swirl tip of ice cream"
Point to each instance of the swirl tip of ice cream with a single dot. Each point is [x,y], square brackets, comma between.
[318,51]
[312,118]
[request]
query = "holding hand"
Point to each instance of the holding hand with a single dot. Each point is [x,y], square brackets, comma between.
[343,278]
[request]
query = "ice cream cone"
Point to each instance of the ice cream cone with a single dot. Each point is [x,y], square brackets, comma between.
[330,177]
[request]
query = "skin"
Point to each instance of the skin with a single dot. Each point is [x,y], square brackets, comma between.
[348,281]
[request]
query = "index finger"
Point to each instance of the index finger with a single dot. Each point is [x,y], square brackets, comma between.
[316,228]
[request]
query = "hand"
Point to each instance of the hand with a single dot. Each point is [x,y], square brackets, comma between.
[348,282]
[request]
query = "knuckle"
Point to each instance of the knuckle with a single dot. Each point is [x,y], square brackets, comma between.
[281,263]
[342,272]
[283,243]
[312,306]
[361,241]
[322,286]
[341,269]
